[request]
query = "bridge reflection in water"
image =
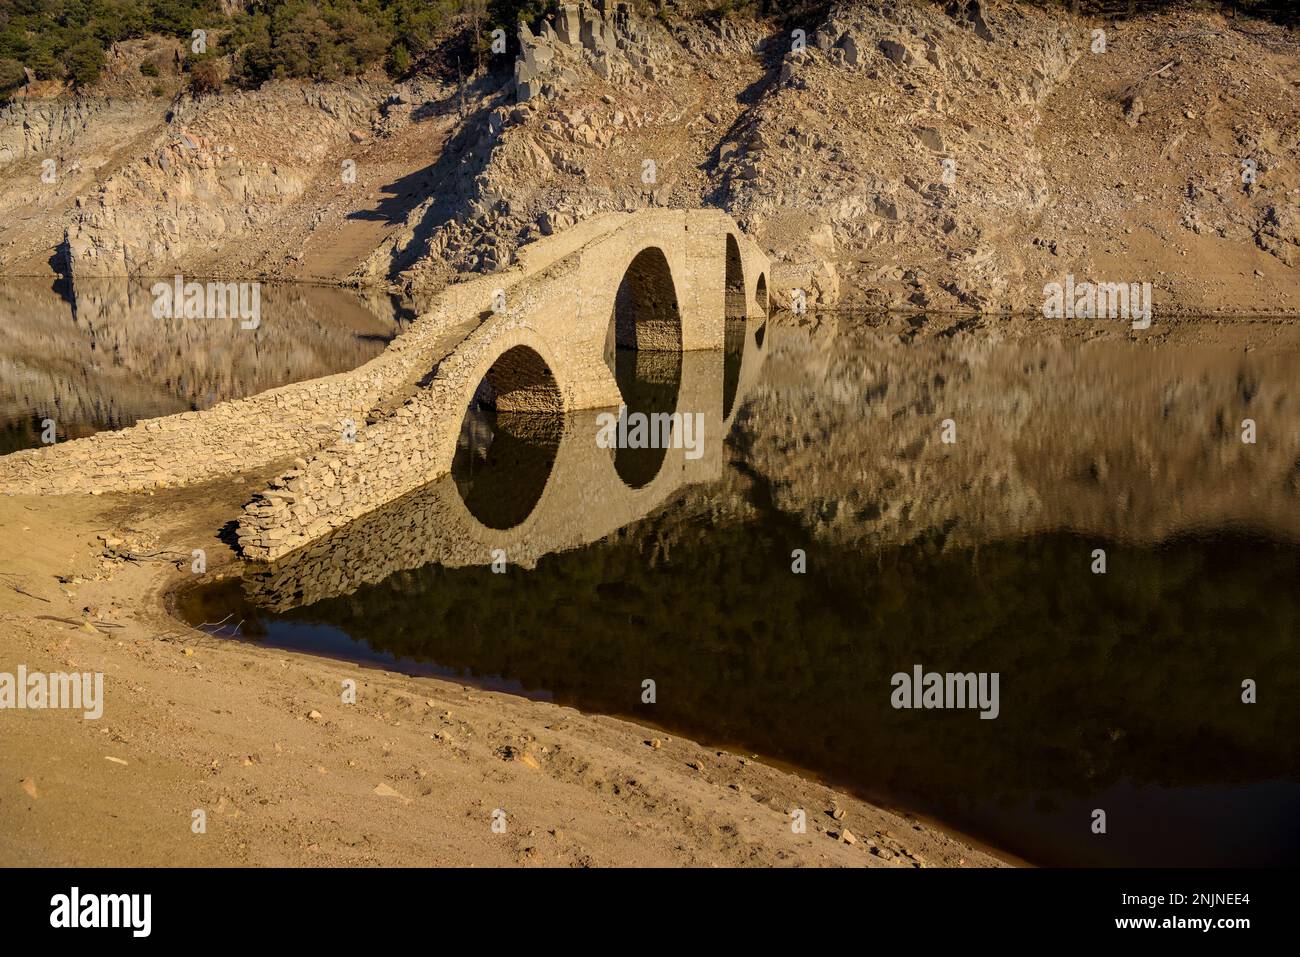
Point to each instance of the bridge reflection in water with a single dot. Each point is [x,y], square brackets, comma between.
[1119,691]
[503,461]
[651,385]
[524,485]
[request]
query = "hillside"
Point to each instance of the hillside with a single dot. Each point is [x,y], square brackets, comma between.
[914,155]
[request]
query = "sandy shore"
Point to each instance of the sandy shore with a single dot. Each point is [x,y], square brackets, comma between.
[286,774]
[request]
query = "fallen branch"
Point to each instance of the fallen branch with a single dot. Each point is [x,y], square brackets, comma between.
[158,556]
[1175,37]
[21,590]
[75,623]
[1133,86]
[27,593]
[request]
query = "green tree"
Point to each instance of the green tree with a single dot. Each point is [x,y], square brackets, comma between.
[85,62]
[11,75]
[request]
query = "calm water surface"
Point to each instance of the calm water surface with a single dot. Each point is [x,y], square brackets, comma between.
[1119,691]
[92,357]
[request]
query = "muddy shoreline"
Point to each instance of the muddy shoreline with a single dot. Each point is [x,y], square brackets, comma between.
[259,740]
[173,597]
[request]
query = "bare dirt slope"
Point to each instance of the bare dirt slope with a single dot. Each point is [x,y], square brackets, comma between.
[359,196]
[1171,159]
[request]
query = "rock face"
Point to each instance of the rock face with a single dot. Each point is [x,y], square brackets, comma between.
[605,37]
[892,167]
[52,151]
[817,279]
[962,155]
[35,128]
[954,156]
[203,182]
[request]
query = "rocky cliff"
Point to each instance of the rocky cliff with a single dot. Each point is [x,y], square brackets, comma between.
[936,156]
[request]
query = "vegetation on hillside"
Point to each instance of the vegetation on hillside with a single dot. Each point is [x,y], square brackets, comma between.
[67,40]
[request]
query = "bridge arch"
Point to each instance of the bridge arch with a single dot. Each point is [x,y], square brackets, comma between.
[508,439]
[735,341]
[735,306]
[644,352]
[760,295]
[519,380]
[505,370]
[647,312]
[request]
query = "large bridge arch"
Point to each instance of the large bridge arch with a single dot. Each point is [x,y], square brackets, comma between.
[735,303]
[647,314]
[520,380]
[509,435]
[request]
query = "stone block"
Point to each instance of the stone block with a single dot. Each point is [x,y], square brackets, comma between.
[568,24]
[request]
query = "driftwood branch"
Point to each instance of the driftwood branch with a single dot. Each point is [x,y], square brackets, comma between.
[78,624]
[21,590]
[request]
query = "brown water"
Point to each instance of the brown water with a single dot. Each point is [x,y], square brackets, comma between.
[1119,691]
[93,357]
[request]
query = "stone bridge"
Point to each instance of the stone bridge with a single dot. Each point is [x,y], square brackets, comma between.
[652,282]
[582,494]
[537,337]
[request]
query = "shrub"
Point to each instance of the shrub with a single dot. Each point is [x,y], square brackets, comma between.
[399,60]
[206,76]
[85,62]
[11,75]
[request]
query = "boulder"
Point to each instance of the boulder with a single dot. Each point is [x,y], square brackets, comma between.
[896,51]
[818,278]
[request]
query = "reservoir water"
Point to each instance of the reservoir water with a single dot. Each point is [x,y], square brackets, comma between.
[1107,523]
[92,357]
